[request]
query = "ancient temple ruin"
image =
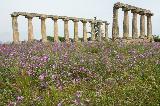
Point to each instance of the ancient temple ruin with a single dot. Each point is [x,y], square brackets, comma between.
[115,26]
[135,11]
[55,18]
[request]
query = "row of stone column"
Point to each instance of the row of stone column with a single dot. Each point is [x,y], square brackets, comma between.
[135,10]
[55,19]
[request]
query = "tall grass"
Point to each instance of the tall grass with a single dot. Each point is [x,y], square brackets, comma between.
[88,74]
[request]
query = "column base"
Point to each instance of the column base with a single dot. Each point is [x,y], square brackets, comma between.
[151,38]
[16,42]
[142,36]
[135,37]
[44,40]
[127,38]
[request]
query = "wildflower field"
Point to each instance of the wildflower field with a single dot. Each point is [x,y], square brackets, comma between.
[85,74]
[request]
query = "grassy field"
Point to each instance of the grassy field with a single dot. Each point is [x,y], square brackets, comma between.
[88,74]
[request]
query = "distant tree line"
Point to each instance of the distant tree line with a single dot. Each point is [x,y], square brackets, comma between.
[62,39]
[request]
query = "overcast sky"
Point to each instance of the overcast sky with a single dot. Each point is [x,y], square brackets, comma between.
[103,9]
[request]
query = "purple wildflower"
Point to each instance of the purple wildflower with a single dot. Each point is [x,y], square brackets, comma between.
[20,98]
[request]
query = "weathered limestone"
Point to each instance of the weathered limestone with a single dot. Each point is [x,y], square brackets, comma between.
[100,31]
[106,29]
[43,28]
[66,30]
[15,28]
[142,25]
[76,30]
[149,26]
[84,21]
[125,23]
[93,37]
[30,28]
[115,26]
[134,25]
[55,19]
[135,11]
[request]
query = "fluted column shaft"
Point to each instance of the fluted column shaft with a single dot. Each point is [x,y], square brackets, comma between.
[142,26]
[55,19]
[76,30]
[43,28]
[126,25]
[106,30]
[115,26]
[84,30]
[92,30]
[30,29]
[149,26]
[66,30]
[15,29]
[134,26]
[99,31]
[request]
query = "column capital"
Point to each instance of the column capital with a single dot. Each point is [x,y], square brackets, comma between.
[66,19]
[55,17]
[117,5]
[143,12]
[84,20]
[14,14]
[149,14]
[100,22]
[116,8]
[92,21]
[29,16]
[42,17]
[105,22]
[75,20]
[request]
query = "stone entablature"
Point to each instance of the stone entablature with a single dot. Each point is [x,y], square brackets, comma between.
[55,18]
[131,8]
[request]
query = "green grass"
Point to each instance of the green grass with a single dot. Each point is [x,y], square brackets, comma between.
[89,74]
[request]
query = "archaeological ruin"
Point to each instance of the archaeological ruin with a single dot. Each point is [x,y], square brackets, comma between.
[55,18]
[135,11]
[115,26]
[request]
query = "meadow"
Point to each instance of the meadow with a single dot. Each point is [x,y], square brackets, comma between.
[82,74]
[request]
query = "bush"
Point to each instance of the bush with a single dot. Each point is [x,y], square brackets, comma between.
[51,39]
[157,38]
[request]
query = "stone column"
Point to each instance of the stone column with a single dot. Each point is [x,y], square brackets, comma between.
[126,23]
[43,28]
[66,30]
[106,30]
[15,28]
[99,31]
[55,19]
[149,26]
[142,25]
[30,28]
[115,26]
[134,25]
[84,21]
[76,30]
[92,30]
